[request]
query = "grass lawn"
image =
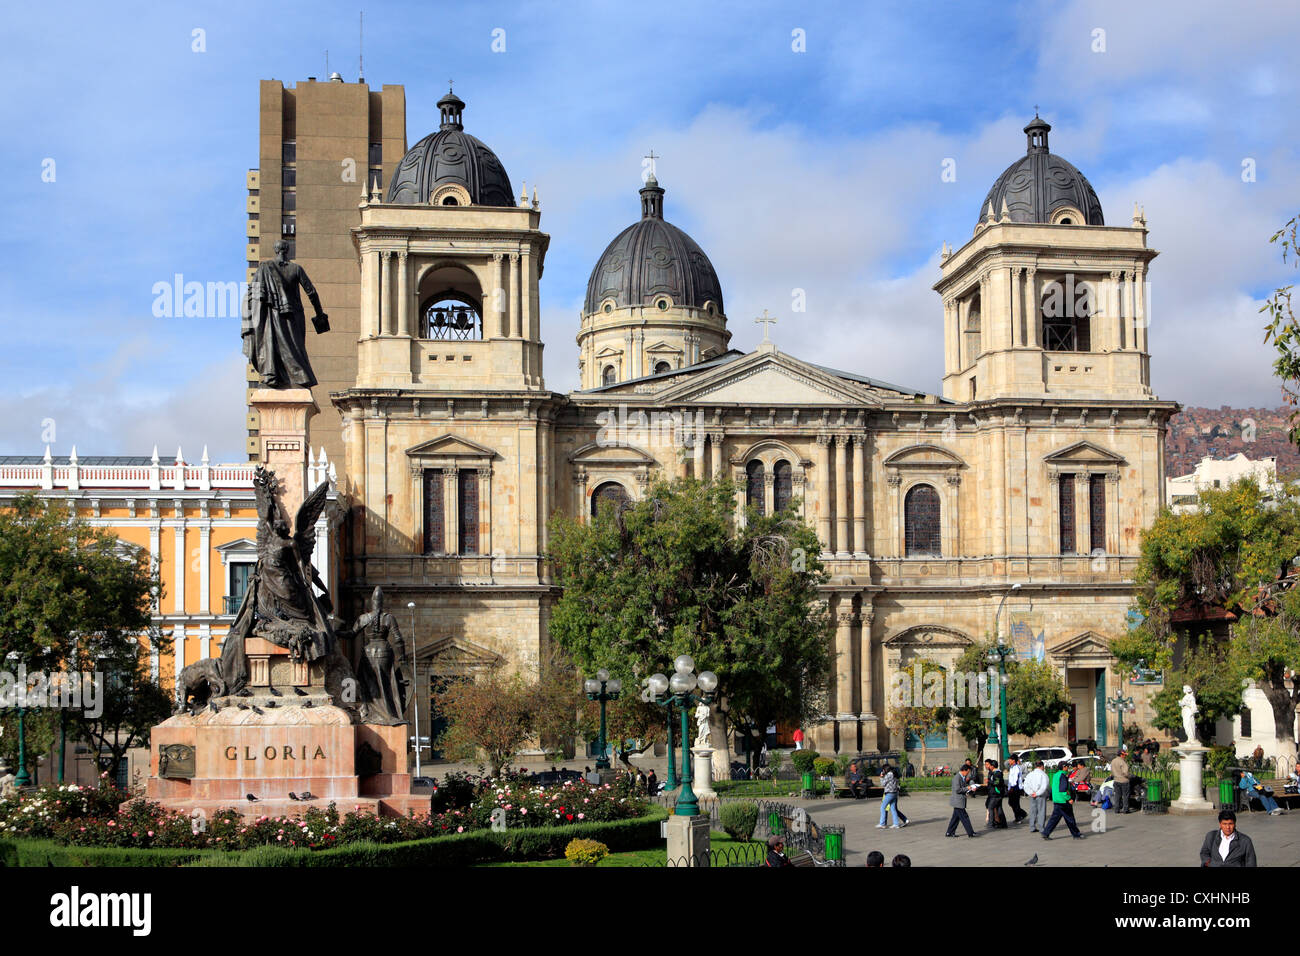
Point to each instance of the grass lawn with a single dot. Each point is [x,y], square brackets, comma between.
[653,857]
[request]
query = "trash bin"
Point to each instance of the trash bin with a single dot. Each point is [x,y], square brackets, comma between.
[774,825]
[808,788]
[1153,791]
[834,844]
[1227,795]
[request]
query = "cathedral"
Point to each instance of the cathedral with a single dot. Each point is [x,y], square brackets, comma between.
[1010,501]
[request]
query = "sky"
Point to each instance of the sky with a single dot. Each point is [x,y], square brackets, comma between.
[802,146]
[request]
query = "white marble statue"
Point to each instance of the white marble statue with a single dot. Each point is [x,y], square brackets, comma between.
[1188,706]
[702,725]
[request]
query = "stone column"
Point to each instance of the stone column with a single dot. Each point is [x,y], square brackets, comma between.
[450,511]
[1191,797]
[769,493]
[370,293]
[866,661]
[824,491]
[1031,308]
[1130,312]
[841,496]
[895,482]
[180,565]
[497,310]
[1017,292]
[404,309]
[205,572]
[951,331]
[485,510]
[1082,512]
[580,494]
[388,323]
[844,620]
[860,549]
[516,315]
[697,449]
[284,414]
[526,294]
[738,476]
[952,527]
[1116,329]
[1139,310]
[715,454]
[799,487]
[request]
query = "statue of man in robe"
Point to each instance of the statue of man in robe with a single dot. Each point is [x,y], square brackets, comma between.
[382,669]
[274,328]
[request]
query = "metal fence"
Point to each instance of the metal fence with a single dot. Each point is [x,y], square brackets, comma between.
[801,832]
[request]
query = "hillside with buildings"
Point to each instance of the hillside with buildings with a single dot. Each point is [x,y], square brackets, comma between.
[1197,433]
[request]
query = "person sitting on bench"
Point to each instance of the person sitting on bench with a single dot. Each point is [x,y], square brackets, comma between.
[1255,790]
[856,781]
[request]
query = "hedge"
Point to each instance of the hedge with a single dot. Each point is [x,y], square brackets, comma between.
[461,849]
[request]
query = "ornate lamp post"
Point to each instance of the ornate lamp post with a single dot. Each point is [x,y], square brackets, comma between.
[23,778]
[415,690]
[602,689]
[651,696]
[998,655]
[681,687]
[1120,703]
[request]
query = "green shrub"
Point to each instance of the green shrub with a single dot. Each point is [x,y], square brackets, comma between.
[585,852]
[1218,760]
[842,764]
[775,758]
[739,818]
[824,766]
[802,760]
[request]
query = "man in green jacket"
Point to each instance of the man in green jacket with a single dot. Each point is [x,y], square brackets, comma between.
[1062,804]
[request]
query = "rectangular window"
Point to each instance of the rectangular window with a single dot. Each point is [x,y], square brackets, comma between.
[290,152]
[239,576]
[1245,722]
[376,155]
[288,225]
[289,200]
[1066,492]
[1096,513]
[433,513]
[467,509]
[288,177]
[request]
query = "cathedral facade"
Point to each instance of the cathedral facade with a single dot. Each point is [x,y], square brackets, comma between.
[1010,502]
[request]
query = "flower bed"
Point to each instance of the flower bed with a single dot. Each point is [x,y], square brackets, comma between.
[82,817]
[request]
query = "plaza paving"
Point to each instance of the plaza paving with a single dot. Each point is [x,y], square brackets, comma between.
[1134,839]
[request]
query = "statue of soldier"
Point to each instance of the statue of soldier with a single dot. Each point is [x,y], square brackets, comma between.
[274,328]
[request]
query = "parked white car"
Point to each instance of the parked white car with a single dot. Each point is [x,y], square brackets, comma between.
[1050,756]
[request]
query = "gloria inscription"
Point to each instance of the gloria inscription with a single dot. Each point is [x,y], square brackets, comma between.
[285,752]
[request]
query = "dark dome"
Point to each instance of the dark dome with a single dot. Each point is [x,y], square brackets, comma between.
[1040,183]
[650,258]
[451,156]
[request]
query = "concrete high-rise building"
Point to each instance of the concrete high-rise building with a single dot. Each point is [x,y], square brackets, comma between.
[322,147]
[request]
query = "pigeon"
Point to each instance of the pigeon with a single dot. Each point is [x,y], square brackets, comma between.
[245,693]
[300,692]
[306,795]
[1032,860]
[213,707]
[252,799]
[275,693]
[258,710]
[307,704]
[271,703]
[242,705]
[292,795]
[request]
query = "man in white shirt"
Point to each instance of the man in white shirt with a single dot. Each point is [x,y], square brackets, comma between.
[1015,787]
[1035,787]
[1227,846]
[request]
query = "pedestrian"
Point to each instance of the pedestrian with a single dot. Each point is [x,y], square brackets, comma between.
[996,791]
[1015,787]
[798,738]
[640,780]
[961,787]
[1036,784]
[776,852]
[876,859]
[856,781]
[651,783]
[1119,769]
[1227,846]
[901,860]
[1062,804]
[889,802]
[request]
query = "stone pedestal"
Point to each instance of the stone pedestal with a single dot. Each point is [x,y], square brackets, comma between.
[283,416]
[688,841]
[703,782]
[1192,796]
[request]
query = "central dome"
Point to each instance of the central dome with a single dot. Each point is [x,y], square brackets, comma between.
[1040,186]
[452,157]
[652,259]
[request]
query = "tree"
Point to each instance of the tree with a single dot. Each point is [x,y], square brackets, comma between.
[133,703]
[663,576]
[1216,683]
[1229,560]
[972,719]
[920,715]
[73,602]
[493,714]
[1283,331]
[1036,697]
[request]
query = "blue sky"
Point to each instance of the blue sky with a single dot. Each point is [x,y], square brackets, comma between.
[817,170]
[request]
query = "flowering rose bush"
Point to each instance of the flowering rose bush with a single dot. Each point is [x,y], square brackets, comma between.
[81,816]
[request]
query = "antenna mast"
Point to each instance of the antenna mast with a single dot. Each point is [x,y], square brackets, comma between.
[361,46]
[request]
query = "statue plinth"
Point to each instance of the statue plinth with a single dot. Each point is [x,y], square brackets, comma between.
[283,417]
[703,782]
[1191,798]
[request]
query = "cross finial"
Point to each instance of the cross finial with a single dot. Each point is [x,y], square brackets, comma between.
[451,83]
[1035,109]
[767,321]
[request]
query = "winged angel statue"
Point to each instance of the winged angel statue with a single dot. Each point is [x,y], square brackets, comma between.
[280,604]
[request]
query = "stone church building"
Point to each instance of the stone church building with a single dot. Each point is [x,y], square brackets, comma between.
[1012,498]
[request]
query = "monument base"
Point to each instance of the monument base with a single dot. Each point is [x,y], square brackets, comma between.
[1191,798]
[703,782]
[688,841]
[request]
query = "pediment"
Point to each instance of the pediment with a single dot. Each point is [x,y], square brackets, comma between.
[924,636]
[1089,644]
[924,456]
[241,546]
[454,656]
[664,348]
[594,453]
[769,378]
[608,352]
[450,446]
[1084,453]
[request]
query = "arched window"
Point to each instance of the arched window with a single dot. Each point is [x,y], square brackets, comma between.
[784,490]
[661,367]
[1067,307]
[607,376]
[754,496]
[921,522]
[610,491]
[449,318]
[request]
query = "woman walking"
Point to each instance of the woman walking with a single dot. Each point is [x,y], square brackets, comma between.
[889,802]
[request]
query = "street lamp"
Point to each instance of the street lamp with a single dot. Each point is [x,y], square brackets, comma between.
[23,778]
[651,695]
[1121,704]
[602,689]
[415,690]
[681,687]
[998,655]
